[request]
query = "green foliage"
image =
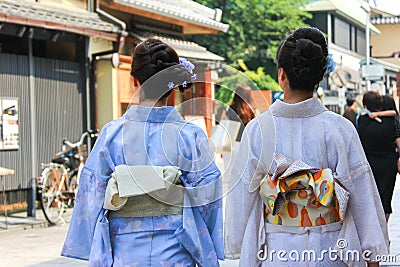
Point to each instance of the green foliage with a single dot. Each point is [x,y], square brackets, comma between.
[262,80]
[256,29]
[224,95]
[257,80]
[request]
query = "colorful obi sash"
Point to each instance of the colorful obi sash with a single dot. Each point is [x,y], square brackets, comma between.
[143,191]
[300,195]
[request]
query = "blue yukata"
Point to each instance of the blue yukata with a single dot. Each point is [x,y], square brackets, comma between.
[155,136]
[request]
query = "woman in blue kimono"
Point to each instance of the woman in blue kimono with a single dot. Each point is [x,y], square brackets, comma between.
[123,215]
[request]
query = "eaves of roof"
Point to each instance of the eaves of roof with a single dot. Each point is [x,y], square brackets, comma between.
[183,10]
[350,10]
[386,20]
[183,48]
[49,17]
[387,65]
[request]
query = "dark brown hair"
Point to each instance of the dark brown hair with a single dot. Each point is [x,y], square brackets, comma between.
[242,102]
[373,101]
[389,104]
[151,57]
[303,56]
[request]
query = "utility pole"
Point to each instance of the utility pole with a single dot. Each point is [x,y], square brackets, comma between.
[367,8]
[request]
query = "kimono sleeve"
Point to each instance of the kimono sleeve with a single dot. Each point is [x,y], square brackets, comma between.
[88,202]
[203,200]
[243,216]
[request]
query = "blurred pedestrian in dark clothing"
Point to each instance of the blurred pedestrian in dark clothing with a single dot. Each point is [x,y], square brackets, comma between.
[351,111]
[378,140]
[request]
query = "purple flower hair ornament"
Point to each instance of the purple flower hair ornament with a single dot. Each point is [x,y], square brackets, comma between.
[187,64]
[189,67]
[171,85]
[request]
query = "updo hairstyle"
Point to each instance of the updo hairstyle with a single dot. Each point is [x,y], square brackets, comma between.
[153,57]
[303,56]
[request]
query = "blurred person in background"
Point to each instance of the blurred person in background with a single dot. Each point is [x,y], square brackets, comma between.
[378,139]
[241,111]
[352,110]
[241,108]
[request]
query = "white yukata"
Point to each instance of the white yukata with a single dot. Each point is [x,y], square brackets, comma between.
[304,131]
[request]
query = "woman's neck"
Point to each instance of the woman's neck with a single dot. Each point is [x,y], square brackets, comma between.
[292,96]
[153,103]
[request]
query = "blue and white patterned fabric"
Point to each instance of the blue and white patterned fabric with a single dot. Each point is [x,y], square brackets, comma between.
[158,137]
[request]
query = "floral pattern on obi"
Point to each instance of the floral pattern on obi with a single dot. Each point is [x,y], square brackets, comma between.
[303,198]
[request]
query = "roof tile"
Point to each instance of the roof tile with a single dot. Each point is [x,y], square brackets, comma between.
[46,13]
[185,10]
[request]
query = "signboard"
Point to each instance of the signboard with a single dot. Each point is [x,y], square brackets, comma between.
[375,72]
[9,128]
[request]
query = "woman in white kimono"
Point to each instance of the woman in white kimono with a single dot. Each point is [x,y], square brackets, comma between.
[302,192]
[149,194]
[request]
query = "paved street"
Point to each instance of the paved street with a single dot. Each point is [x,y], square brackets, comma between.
[36,246]
[40,246]
[394,224]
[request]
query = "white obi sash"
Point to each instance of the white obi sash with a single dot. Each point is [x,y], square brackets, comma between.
[141,191]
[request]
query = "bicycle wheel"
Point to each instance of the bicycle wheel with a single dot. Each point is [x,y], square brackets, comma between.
[72,189]
[52,202]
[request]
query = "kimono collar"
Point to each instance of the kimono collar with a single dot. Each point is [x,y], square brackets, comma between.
[152,114]
[305,109]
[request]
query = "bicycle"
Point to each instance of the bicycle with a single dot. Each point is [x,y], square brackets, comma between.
[59,180]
